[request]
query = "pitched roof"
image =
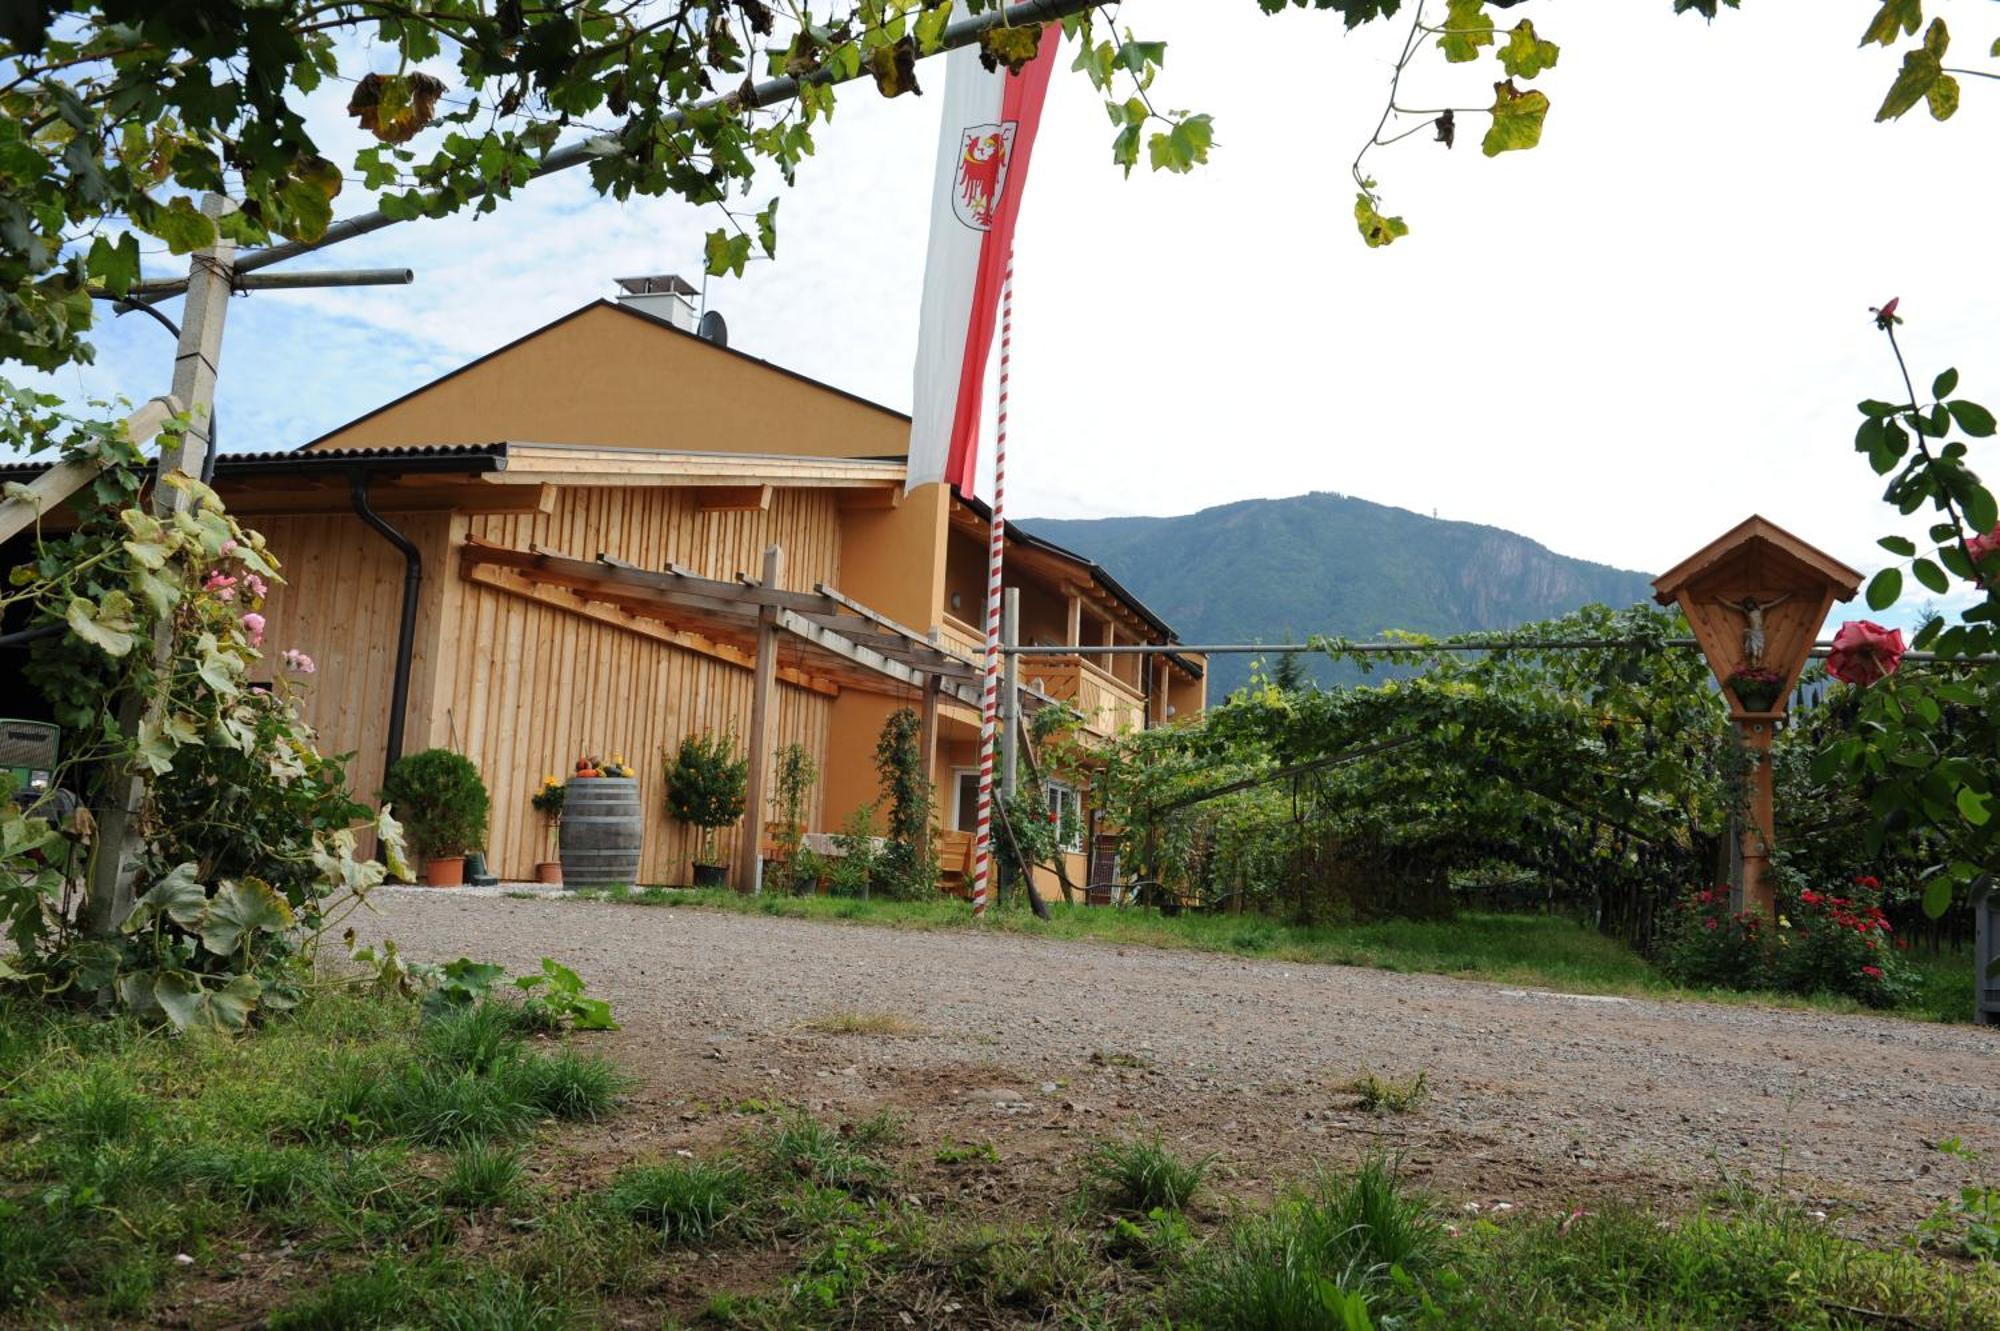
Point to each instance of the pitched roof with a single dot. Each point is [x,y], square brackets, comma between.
[1757,530]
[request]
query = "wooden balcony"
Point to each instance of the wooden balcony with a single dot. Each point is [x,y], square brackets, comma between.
[1109,705]
[955,635]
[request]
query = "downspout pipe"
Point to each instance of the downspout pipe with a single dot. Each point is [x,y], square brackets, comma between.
[406,627]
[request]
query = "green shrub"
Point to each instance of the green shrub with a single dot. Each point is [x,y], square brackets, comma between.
[1840,943]
[706,786]
[1704,944]
[441,800]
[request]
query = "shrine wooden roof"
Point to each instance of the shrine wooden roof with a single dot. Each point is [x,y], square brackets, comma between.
[1768,539]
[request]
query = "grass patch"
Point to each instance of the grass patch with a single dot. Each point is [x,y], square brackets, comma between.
[683,1203]
[1532,951]
[966,1153]
[1389,1095]
[863,1023]
[1141,1174]
[121,1149]
[806,1149]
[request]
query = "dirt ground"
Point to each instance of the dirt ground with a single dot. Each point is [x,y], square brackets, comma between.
[1537,1099]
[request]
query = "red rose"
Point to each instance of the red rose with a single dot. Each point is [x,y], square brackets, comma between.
[1810,897]
[1872,972]
[1864,652]
[1709,922]
[1865,881]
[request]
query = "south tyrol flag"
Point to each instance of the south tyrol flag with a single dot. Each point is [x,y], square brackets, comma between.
[990,118]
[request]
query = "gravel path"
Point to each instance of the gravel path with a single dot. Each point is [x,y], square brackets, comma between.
[1041,1046]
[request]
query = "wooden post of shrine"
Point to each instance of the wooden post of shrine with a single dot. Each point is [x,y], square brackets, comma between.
[1756,597]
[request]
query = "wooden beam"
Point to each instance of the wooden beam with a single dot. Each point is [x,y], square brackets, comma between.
[263,501]
[833,642]
[732,499]
[927,742]
[763,692]
[26,503]
[574,603]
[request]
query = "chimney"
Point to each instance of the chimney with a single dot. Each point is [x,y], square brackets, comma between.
[666,297]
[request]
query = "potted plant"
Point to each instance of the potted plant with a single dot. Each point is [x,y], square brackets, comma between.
[548,802]
[1756,688]
[706,785]
[443,805]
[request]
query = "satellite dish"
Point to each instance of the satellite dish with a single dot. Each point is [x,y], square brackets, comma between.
[713,328]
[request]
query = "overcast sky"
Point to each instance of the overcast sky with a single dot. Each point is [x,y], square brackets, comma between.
[1619,344]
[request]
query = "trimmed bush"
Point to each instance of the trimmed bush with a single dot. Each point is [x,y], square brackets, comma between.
[441,801]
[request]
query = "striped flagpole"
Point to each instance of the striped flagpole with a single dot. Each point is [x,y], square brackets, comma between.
[989,721]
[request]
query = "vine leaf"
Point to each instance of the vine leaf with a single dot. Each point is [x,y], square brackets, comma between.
[245,906]
[1376,229]
[894,65]
[107,626]
[1922,78]
[1517,119]
[1526,55]
[1467,27]
[1972,418]
[1895,18]
[178,895]
[1972,806]
[1013,47]
[187,1003]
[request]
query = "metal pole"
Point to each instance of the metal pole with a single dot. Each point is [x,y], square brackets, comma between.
[323,277]
[963,32]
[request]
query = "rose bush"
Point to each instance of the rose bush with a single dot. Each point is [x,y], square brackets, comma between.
[1840,943]
[1705,944]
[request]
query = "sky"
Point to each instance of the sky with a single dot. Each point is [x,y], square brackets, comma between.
[1619,344]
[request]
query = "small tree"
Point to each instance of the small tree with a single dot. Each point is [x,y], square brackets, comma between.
[795,776]
[909,863]
[442,801]
[706,784]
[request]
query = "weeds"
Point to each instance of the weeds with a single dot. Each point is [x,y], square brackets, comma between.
[685,1203]
[804,1148]
[479,1176]
[961,1153]
[1380,1095]
[862,1023]
[1141,1174]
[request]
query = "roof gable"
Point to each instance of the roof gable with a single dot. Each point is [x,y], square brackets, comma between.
[609,376]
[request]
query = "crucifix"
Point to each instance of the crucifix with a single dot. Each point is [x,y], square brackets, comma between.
[1752,611]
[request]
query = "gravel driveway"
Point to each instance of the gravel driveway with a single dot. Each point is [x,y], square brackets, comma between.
[1539,1099]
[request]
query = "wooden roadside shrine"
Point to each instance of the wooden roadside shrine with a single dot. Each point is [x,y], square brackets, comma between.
[1756,597]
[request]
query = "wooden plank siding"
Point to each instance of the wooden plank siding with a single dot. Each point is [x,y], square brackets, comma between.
[521,686]
[533,685]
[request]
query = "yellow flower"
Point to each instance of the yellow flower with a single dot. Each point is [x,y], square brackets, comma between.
[1784,923]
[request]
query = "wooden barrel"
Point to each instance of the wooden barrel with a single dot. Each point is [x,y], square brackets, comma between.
[603,830]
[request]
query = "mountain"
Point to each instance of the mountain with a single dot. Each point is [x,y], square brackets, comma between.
[1277,570]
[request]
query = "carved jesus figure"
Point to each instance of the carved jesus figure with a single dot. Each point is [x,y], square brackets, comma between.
[1753,625]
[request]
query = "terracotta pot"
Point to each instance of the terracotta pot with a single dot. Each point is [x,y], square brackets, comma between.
[711,875]
[549,871]
[444,871]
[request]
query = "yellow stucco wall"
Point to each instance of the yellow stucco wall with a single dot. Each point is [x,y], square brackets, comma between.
[608,377]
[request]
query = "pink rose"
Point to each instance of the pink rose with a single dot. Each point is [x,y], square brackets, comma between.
[1864,652]
[221,586]
[229,546]
[253,627]
[1981,546]
[258,587]
[297,660]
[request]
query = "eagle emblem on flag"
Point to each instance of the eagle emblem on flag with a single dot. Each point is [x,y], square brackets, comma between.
[983,155]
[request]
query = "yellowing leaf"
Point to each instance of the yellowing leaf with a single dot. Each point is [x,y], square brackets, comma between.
[1920,72]
[1895,17]
[1376,229]
[1517,119]
[1526,55]
[107,626]
[1467,27]
[1942,97]
[177,895]
[250,905]
[1013,47]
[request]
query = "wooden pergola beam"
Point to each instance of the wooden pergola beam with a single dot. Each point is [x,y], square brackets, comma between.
[21,509]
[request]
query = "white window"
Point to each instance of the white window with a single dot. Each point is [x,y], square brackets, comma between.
[1067,810]
[965,800]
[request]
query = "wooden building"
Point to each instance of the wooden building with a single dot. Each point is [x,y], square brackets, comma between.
[559,549]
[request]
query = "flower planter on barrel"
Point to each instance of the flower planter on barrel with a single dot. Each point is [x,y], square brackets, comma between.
[602,832]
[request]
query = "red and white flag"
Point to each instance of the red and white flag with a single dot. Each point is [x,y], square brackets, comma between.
[982,164]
